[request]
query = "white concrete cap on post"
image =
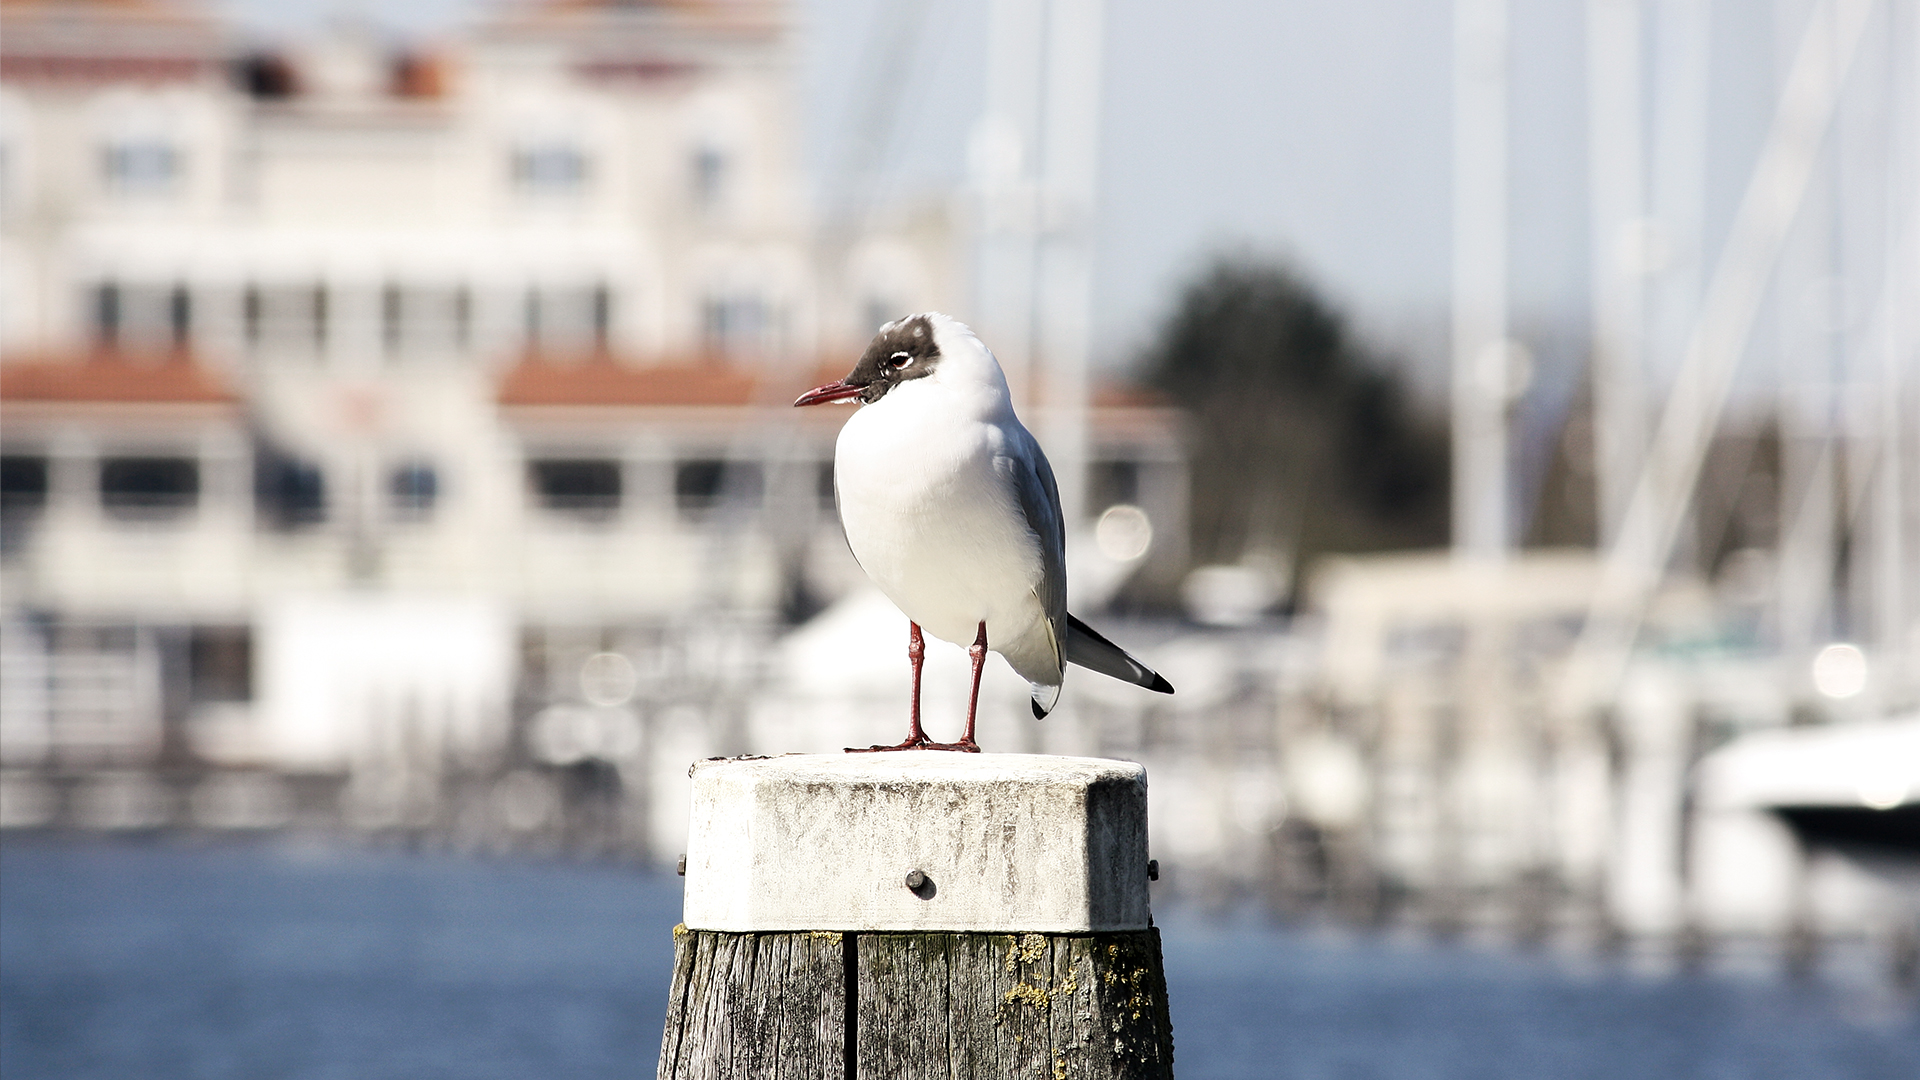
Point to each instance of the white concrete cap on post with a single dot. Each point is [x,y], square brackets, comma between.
[918,840]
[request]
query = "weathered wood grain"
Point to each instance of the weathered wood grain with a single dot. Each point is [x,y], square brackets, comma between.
[755,1005]
[938,1006]
[903,1017]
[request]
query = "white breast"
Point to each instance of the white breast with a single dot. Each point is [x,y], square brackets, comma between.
[932,521]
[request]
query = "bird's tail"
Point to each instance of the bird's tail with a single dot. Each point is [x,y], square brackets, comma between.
[1045,697]
[1087,648]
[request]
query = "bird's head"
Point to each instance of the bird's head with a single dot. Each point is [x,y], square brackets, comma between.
[928,345]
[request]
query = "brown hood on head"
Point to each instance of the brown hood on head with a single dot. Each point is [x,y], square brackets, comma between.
[903,350]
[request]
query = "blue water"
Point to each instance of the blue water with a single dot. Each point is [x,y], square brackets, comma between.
[275,959]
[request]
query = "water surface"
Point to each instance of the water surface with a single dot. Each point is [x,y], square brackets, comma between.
[179,959]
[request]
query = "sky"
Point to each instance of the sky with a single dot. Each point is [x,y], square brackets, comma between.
[1313,132]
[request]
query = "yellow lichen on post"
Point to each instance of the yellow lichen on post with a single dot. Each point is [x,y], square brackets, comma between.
[1025,949]
[1025,993]
[1089,1007]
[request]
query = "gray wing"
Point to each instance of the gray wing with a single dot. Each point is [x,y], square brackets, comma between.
[1040,500]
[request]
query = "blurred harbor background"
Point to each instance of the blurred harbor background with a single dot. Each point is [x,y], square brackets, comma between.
[240,958]
[1498,422]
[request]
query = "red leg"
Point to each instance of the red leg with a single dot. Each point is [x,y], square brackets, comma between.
[917,656]
[977,652]
[916,737]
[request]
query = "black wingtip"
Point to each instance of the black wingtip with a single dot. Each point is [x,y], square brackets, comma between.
[1160,685]
[1038,712]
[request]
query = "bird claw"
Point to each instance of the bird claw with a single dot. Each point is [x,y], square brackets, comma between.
[922,743]
[964,746]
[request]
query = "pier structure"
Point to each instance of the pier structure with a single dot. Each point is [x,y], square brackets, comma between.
[915,914]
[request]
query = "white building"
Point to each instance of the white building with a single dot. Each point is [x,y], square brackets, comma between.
[505,332]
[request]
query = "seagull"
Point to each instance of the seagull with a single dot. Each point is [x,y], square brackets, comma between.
[951,508]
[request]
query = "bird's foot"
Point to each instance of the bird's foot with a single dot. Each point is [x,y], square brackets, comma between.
[911,743]
[964,746]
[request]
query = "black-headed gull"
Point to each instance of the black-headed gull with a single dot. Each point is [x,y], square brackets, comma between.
[951,508]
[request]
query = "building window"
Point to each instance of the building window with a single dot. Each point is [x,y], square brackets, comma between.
[140,166]
[288,493]
[413,489]
[710,177]
[149,487]
[1111,483]
[583,487]
[390,317]
[179,316]
[429,320]
[700,485]
[735,326]
[550,168]
[286,317]
[106,314]
[568,320]
[250,312]
[823,486]
[23,482]
[142,316]
[220,663]
[266,77]
[23,493]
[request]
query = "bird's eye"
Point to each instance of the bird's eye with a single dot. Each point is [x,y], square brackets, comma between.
[899,360]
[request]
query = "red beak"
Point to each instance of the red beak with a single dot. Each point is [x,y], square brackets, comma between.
[833,391]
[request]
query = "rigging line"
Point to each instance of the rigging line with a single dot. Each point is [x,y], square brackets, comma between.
[1634,564]
[889,57]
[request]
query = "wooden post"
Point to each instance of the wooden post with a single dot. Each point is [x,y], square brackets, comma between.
[918,914]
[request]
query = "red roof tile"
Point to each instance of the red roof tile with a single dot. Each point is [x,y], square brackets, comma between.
[114,377]
[605,382]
